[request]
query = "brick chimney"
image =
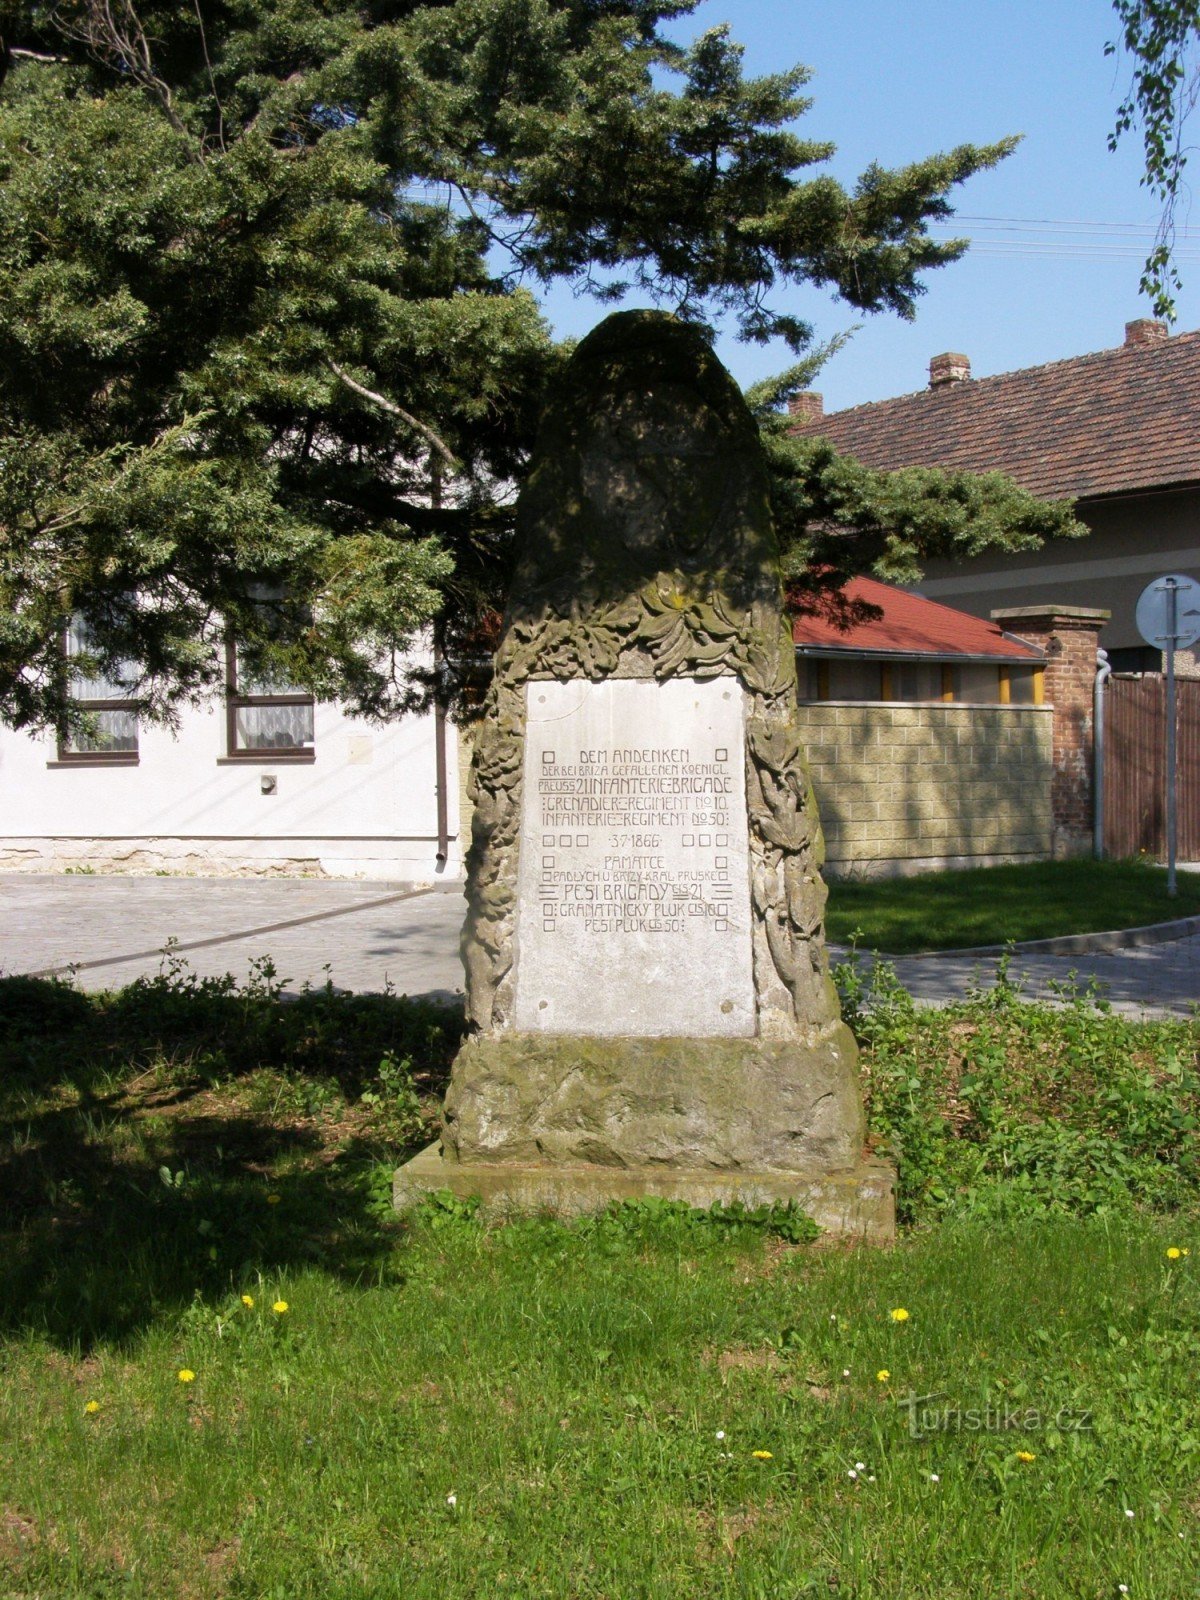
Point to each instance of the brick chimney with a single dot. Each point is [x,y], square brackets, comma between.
[949,368]
[807,407]
[1145,331]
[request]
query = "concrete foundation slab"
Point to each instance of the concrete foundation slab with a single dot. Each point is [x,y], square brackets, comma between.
[856,1204]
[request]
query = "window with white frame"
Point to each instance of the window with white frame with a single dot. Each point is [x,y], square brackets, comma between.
[109,731]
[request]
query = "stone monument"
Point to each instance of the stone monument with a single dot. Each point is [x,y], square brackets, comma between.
[647,984]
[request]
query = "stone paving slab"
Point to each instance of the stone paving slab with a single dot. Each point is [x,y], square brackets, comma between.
[110,930]
[374,934]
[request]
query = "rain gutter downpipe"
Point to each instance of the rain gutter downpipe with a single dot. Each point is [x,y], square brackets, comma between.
[1103,673]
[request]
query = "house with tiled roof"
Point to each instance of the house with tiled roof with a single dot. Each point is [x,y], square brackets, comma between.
[1118,431]
[901,646]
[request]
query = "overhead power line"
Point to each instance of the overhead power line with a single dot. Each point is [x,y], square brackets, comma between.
[1064,238]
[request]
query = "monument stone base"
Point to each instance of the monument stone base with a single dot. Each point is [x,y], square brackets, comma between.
[856,1204]
[789,1105]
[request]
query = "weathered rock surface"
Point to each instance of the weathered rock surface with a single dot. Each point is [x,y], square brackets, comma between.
[732,1104]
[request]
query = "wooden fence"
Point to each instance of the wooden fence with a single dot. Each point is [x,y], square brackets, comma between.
[1135,719]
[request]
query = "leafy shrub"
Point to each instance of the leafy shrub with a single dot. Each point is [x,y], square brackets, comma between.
[217,1029]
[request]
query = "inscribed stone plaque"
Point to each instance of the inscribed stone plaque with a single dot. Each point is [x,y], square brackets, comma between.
[634,886]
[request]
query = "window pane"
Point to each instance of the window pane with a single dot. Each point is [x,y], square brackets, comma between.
[855,680]
[977,684]
[111,732]
[274,727]
[1021,686]
[808,673]
[916,680]
[99,687]
[251,684]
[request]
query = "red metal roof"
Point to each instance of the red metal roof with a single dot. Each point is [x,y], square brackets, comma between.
[1113,422]
[910,626]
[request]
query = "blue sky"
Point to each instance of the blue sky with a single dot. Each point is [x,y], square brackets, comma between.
[895,82]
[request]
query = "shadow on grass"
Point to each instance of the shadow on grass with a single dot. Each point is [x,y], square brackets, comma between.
[185,1135]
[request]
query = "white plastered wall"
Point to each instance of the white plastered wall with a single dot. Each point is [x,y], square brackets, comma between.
[366,807]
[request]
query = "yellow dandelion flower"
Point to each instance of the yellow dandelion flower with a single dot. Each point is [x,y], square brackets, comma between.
[762,1455]
[899,1314]
[1174,1253]
[279,1307]
[883,1375]
[273,1199]
[248,1301]
[1026,1455]
[186,1375]
[92,1407]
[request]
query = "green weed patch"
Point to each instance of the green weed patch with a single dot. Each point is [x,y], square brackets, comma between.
[1004,1107]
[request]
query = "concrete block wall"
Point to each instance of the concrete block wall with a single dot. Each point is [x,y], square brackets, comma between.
[909,788]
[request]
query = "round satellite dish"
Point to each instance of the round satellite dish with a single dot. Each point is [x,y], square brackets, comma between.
[1154,612]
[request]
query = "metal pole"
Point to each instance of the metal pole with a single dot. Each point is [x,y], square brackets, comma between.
[1172,636]
[1103,673]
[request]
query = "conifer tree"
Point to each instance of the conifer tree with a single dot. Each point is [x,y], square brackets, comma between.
[271,353]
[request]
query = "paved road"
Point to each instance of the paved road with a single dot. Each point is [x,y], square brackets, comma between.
[1156,980]
[111,929]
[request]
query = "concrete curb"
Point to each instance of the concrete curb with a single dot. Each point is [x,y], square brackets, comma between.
[1069,944]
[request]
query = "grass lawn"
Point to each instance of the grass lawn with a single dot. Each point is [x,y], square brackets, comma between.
[991,905]
[654,1403]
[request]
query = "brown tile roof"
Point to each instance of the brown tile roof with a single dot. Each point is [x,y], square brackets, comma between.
[910,626]
[1109,423]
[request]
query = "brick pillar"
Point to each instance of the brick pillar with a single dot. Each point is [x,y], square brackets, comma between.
[1068,637]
